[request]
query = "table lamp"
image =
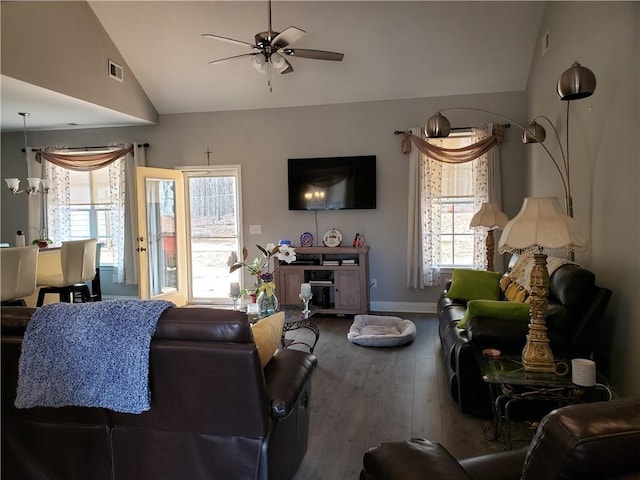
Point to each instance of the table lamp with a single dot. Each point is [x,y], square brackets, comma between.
[540,228]
[490,217]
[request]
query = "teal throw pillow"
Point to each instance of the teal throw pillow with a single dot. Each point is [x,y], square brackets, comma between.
[516,311]
[469,284]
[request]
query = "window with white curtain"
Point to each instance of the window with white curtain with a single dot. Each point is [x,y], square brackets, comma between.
[89,204]
[451,194]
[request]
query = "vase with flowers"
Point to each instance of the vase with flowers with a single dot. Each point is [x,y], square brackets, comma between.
[263,269]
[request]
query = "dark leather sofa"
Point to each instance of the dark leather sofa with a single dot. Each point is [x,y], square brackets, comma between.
[215,412]
[590,441]
[574,315]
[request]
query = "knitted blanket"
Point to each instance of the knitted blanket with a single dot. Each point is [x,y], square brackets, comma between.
[521,271]
[89,355]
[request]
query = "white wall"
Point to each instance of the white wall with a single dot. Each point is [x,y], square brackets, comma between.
[262,140]
[604,154]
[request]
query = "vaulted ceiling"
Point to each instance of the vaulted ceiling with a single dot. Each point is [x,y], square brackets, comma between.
[392,50]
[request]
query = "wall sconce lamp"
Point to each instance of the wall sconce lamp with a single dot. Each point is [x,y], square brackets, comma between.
[575,83]
[34,182]
[490,217]
[540,228]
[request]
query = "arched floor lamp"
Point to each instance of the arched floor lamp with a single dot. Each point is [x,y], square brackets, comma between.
[575,83]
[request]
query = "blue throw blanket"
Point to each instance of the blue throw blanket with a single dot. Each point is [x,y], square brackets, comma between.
[89,355]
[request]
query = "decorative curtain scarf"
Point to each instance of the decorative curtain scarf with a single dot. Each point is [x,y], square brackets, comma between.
[425,184]
[121,165]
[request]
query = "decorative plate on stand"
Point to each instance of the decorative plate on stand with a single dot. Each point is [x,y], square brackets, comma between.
[306,239]
[332,238]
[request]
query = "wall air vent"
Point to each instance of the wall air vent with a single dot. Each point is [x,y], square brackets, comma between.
[115,71]
[546,42]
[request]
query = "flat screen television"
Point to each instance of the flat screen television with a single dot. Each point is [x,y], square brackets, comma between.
[332,183]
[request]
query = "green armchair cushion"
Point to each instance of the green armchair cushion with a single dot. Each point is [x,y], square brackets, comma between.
[518,312]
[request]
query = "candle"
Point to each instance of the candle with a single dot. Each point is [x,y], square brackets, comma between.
[234,289]
[305,289]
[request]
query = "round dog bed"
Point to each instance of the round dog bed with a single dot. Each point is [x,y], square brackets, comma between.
[381,331]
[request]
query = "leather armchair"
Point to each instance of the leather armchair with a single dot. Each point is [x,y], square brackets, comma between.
[598,440]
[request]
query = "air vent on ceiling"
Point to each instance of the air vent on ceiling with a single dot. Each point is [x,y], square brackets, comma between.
[115,70]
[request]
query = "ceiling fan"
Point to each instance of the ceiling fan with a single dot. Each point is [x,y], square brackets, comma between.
[271,48]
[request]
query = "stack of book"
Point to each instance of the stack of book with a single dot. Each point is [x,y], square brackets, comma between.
[348,261]
[331,262]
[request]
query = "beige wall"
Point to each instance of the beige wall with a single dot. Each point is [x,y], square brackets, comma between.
[262,140]
[52,47]
[604,154]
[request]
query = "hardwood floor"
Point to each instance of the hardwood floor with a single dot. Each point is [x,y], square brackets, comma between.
[364,396]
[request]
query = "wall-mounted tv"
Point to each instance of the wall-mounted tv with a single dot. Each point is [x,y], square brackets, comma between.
[332,183]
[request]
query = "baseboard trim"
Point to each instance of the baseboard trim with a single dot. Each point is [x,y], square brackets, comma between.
[406,307]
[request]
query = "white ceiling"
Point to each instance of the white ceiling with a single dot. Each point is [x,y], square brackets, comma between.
[392,50]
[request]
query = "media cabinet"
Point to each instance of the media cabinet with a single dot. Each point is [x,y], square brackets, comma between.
[339,278]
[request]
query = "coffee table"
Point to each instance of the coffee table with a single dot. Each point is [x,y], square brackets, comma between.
[509,383]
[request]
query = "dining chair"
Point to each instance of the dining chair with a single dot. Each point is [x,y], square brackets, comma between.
[78,266]
[19,266]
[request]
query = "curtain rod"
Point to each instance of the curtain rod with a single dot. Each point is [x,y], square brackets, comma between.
[504,125]
[140,145]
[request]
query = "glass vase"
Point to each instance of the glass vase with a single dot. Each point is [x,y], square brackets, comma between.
[267,304]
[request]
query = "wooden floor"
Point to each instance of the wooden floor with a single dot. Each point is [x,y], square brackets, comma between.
[364,396]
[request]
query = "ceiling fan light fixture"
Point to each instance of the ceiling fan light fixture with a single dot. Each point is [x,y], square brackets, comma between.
[278,61]
[259,62]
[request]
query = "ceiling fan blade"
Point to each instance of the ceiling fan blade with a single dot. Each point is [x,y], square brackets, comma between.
[229,40]
[231,58]
[289,68]
[314,54]
[287,37]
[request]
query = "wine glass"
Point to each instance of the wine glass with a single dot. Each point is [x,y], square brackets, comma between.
[305,297]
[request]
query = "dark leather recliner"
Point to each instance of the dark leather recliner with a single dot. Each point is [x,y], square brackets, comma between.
[215,412]
[598,440]
[574,315]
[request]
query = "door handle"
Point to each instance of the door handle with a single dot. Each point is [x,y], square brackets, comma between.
[141,249]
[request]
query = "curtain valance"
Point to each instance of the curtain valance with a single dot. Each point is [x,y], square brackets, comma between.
[83,162]
[453,155]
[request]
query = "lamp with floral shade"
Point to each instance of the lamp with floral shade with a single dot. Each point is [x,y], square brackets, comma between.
[541,228]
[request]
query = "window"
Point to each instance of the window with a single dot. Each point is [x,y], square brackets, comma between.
[452,193]
[213,223]
[89,204]
[457,208]
[89,210]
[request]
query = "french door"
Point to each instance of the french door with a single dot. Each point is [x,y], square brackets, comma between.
[161,242]
[213,230]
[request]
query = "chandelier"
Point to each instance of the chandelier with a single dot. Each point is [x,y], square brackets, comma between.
[36,185]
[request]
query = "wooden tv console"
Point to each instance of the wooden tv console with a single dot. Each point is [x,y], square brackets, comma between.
[339,278]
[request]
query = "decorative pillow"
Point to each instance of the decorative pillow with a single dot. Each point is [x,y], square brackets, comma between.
[267,334]
[505,281]
[469,284]
[518,312]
